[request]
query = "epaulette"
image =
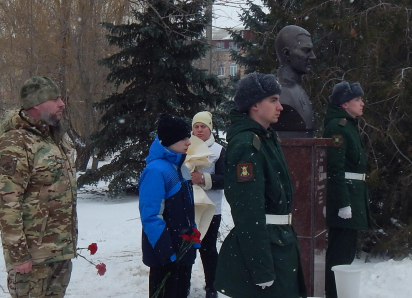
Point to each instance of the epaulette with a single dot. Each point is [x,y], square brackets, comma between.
[343,122]
[256,142]
[277,137]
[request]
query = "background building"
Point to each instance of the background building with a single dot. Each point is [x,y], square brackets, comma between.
[223,64]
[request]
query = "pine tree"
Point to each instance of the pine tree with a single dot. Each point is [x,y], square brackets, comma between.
[154,69]
[370,42]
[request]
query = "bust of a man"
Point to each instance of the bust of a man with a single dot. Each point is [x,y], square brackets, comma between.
[294,49]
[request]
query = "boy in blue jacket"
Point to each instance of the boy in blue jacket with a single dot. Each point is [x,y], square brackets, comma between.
[167,209]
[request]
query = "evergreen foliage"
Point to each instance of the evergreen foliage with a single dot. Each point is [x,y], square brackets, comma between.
[367,41]
[154,69]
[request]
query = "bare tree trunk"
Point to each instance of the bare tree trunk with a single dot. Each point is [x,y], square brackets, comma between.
[95,163]
[83,153]
[86,14]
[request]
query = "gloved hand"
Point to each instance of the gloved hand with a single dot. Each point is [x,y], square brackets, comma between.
[345,212]
[266,284]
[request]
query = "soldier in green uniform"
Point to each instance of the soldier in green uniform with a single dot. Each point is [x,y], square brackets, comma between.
[38,218]
[347,207]
[260,256]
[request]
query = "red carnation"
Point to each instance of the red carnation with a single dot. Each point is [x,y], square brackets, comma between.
[186,237]
[101,268]
[197,233]
[195,239]
[93,248]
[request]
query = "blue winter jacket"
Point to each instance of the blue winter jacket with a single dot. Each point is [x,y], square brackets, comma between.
[166,206]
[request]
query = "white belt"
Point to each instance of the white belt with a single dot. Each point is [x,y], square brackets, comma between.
[355,176]
[272,219]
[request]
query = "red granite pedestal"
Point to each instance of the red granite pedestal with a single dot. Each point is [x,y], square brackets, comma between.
[306,160]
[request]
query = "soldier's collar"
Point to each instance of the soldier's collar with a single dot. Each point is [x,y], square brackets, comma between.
[56,132]
[36,124]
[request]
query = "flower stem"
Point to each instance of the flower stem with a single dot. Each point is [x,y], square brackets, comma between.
[86,259]
[161,286]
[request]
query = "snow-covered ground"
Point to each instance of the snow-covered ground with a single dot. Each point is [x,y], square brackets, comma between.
[115,226]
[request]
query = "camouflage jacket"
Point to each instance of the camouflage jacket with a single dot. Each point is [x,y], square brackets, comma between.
[38,217]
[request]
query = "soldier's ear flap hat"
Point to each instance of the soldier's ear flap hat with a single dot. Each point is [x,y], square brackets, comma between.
[254,88]
[37,90]
[344,92]
[172,129]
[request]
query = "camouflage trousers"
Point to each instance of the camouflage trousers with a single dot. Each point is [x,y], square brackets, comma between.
[43,281]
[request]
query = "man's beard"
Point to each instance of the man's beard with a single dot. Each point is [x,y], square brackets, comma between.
[50,118]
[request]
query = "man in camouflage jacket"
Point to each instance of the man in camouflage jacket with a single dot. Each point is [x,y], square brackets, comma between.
[37,194]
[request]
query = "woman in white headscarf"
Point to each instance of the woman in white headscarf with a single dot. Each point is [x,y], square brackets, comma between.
[211,180]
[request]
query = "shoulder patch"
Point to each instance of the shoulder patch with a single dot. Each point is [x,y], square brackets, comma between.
[337,140]
[342,122]
[7,165]
[244,172]
[256,142]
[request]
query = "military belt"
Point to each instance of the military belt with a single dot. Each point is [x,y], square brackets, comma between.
[272,219]
[355,176]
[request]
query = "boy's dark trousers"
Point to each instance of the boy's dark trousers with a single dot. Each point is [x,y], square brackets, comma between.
[177,283]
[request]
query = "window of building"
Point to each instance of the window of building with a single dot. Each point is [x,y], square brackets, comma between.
[233,69]
[221,69]
[220,45]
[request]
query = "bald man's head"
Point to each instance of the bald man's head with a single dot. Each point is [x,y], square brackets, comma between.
[293,47]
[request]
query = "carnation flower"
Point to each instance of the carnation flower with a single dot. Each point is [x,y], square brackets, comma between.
[186,237]
[197,233]
[101,268]
[92,248]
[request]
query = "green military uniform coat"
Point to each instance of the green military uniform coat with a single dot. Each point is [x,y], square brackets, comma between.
[257,182]
[37,193]
[347,155]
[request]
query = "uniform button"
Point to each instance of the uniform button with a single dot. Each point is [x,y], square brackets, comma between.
[280,202]
[280,241]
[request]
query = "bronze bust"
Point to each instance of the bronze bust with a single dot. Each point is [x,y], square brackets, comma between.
[294,46]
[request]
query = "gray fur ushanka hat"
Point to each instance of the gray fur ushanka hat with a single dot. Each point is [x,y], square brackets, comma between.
[344,92]
[254,88]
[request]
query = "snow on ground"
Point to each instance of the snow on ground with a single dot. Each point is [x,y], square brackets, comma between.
[114,224]
[389,279]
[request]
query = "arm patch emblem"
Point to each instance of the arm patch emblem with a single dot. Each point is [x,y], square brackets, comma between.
[337,140]
[7,165]
[244,172]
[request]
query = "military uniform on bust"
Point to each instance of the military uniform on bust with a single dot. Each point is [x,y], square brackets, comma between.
[38,217]
[347,205]
[294,46]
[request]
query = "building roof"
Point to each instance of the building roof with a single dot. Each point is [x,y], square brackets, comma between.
[223,34]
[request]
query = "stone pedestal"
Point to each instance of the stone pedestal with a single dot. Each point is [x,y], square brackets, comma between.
[306,160]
